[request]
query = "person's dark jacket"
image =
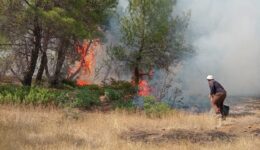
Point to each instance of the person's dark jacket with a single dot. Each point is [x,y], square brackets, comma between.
[216,87]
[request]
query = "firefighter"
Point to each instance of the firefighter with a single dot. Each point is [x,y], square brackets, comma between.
[217,96]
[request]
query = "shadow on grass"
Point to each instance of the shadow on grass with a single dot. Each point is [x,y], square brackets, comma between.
[256,132]
[176,136]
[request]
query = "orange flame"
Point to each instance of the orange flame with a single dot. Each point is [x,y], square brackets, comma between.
[144,88]
[85,67]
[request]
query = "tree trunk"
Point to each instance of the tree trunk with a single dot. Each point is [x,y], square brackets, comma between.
[136,75]
[60,60]
[44,60]
[28,75]
[42,67]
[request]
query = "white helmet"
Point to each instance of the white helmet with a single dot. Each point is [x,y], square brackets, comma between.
[210,77]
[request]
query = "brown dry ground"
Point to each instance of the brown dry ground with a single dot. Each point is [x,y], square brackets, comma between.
[48,128]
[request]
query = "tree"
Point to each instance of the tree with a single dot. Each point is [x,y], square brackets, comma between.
[15,16]
[35,27]
[151,36]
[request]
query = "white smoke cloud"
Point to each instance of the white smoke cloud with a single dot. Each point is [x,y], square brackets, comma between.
[123,4]
[226,37]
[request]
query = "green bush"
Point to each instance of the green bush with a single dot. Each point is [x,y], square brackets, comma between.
[120,94]
[124,87]
[68,83]
[86,98]
[95,88]
[114,95]
[153,108]
[13,94]
[32,95]
[128,105]
[39,96]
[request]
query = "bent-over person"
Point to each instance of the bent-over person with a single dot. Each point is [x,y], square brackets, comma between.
[217,95]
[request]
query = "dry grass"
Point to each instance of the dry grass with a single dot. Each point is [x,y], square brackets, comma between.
[36,128]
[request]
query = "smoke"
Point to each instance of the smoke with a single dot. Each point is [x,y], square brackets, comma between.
[225,35]
[123,4]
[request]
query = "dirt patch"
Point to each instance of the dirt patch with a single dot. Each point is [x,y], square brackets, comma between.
[179,135]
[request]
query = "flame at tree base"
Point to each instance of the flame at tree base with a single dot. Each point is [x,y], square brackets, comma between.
[81,82]
[144,88]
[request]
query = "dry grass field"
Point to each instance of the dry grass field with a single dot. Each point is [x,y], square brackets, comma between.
[28,128]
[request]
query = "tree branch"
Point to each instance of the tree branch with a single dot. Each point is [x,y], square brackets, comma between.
[15,74]
[27,3]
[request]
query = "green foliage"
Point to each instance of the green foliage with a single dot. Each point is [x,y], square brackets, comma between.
[86,98]
[43,96]
[3,40]
[125,87]
[78,18]
[69,84]
[32,95]
[120,93]
[114,95]
[154,108]
[40,21]
[117,52]
[151,35]
[127,104]
[12,94]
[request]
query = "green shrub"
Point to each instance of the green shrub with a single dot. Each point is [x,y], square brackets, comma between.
[68,83]
[13,93]
[39,96]
[120,93]
[153,108]
[93,87]
[124,87]
[86,98]
[128,105]
[114,95]
[33,95]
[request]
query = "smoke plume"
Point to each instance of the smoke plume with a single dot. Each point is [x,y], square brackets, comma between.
[225,35]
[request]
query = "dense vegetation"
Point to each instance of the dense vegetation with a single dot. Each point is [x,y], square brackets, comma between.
[118,93]
[38,39]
